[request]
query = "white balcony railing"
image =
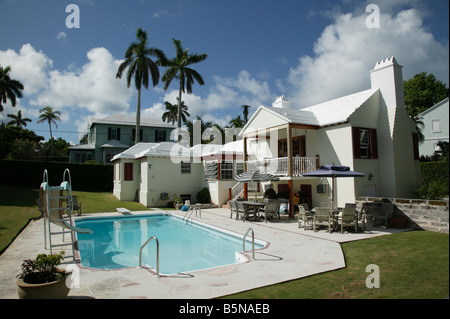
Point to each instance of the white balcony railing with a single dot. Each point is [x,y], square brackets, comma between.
[280,166]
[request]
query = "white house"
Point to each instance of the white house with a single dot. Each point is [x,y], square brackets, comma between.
[368,131]
[152,173]
[435,122]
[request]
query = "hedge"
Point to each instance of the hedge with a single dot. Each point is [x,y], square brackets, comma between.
[435,184]
[84,177]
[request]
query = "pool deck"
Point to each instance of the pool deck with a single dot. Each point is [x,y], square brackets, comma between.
[292,253]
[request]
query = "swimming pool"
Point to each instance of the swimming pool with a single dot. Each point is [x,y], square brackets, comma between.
[116,241]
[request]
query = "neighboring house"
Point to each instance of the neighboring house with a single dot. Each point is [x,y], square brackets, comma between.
[151,173]
[114,134]
[435,127]
[368,131]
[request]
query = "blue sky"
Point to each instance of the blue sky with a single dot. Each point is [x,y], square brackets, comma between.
[310,51]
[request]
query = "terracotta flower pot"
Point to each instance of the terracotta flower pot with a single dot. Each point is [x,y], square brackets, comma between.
[50,290]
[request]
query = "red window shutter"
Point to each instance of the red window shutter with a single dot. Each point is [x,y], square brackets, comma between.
[356,145]
[128,172]
[373,143]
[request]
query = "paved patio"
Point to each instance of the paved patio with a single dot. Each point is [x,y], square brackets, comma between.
[292,253]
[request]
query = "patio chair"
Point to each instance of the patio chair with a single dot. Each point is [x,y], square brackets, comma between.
[233,209]
[304,217]
[322,217]
[272,208]
[76,206]
[347,218]
[361,219]
[243,211]
[385,215]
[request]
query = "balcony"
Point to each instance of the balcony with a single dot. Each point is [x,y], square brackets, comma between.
[280,166]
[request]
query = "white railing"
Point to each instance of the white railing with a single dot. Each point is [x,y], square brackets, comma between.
[280,166]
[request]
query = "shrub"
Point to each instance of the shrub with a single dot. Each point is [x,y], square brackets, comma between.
[203,196]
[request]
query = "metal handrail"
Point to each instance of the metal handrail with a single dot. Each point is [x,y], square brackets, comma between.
[253,241]
[157,253]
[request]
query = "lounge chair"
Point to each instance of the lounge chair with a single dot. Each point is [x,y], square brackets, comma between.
[347,218]
[304,217]
[272,208]
[322,217]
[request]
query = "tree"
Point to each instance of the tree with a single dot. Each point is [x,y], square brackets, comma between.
[178,68]
[171,115]
[422,92]
[203,127]
[17,120]
[49,115]
[9,89]
[141,67]
[237,122]
[245,112]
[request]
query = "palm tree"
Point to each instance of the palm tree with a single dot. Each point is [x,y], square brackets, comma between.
[17,120]
[237,122]
[245,112]
[171,115]
[141,67]
[203,127]
[9,89]
[49,115]
[178,68]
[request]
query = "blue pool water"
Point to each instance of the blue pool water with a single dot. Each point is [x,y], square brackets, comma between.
[183,247]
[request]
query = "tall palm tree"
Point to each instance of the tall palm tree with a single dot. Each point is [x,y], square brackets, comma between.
[141,67]
[9,89]
[171,115]
[17,120]
[203,127]
[245,112]
[237,122]
[49,115]
[178,68]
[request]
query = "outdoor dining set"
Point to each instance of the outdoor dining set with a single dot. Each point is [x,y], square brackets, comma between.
[323,216]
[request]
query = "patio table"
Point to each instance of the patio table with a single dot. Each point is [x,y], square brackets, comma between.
[255,206]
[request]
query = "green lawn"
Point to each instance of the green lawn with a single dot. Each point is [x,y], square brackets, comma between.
[18,205]
[413,265]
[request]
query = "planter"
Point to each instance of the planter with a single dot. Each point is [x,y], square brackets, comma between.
[50,290]
[398,222]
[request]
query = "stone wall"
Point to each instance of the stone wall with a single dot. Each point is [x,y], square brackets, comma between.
[422,214]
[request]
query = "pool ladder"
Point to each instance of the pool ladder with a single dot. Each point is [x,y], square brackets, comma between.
[253,242]
[157,253]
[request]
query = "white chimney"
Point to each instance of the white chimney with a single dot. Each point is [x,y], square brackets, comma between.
[282,103]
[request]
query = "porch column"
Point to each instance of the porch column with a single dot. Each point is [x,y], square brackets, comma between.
[245,154]
[290,151]
[291,199]
[246,190]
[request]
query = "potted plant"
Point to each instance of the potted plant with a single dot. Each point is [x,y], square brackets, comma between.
[398,219]
[177,202]
[41,278]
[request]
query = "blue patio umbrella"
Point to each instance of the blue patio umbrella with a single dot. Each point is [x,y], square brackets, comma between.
[334,171]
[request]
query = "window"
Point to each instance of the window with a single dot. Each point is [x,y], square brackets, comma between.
[239,168]
[436,126]
[364,143]
[114,133]
[128,172]
[226,170]
[160,136]
[185,167]
[82,157]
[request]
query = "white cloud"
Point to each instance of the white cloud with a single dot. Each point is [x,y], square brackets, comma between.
[225,93]
[93,87]
[347,50]
[61,36]
[28,66]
